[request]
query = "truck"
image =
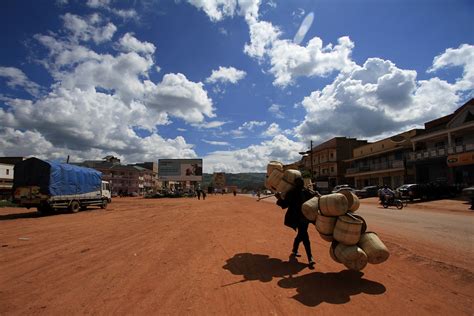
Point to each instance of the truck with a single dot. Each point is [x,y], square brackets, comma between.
[52,185]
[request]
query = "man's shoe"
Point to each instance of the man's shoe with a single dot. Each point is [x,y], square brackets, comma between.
[311,261]
[295,254]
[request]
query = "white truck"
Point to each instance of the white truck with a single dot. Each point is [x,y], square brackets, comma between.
[51,185]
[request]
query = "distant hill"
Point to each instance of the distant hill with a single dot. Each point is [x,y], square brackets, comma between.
[244,181]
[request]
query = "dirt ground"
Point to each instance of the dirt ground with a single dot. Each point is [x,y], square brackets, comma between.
[229,256]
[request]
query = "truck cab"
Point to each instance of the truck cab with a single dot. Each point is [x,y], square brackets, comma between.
[105,191]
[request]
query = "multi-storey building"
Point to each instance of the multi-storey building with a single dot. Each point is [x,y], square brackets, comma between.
[7,165]
[125,179]
[6,180]
[327,161]
[445,148]
[383,162]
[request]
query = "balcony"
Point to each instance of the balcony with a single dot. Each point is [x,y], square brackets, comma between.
[439,152]
[394,164]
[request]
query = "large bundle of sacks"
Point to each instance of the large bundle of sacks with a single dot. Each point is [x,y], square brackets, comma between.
[336,222]
[279,180]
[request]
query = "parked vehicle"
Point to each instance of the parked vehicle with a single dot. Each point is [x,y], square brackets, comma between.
[368,191]
[51,185]
[341,187]
[409,192]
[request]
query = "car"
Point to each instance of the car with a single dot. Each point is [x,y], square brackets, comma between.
[409,191]
[341,187]
[368,191]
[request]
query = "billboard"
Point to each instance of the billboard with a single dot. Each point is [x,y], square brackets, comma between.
[180,169]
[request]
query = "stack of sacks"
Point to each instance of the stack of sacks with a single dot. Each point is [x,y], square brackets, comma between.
[274,175]
[278,180]
[337,223]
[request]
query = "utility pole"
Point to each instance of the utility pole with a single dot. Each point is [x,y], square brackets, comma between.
[311,157]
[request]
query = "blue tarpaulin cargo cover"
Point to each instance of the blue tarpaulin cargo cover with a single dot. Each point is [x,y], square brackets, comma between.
[56,178]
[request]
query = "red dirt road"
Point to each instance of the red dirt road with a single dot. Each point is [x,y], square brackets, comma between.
[226,255]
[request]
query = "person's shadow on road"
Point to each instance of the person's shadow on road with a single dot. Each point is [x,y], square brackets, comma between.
[331,287]
[312,289]
[261,267]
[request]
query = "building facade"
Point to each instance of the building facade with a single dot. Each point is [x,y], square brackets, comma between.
[445,149]
[327,164]
[126,179]
[383,162]
[6,181]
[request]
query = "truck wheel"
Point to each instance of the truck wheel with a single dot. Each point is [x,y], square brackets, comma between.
[104,204]
[74,207]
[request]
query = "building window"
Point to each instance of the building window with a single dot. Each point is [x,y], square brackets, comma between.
[332,169]
[8,172]
[439,144]
[458,141]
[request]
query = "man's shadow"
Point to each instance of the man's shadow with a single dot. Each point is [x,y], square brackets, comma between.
[331,287]
[261,267]
[312,289]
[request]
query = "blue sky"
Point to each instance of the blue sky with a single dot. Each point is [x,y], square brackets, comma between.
[229,81]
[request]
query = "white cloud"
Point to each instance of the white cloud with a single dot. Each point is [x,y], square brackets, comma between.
[98,101]
[253,158]
[289,61]
[304,28]
[215,143]
[17,78]
[272,4]
[208,125]
[226,74]
[129,43]
[463,56]
[262,36]
[98,3]
[179,97]
[85,29]
[275,109]
[373,99]
[272,130]
[250,125]
[219,9]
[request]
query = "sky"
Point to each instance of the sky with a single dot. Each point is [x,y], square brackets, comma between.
[237,83]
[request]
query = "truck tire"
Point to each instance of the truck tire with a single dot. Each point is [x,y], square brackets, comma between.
[104,204]
[74,207]
[44,209]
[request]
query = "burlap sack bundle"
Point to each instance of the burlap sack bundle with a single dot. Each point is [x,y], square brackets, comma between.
[310,208]
[333,204]
[375,249]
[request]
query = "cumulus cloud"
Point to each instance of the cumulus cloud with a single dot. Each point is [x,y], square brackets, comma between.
[89,28]
[254,158]
[182,98]
[17,78]
[99,100]
[275,109]
[373,99]
[262,36]
[289,61]
[463,56]
[226,74]
[216,10]
[272,130]
[130,43]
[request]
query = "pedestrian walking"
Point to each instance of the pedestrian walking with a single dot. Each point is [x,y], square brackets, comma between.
[294,217]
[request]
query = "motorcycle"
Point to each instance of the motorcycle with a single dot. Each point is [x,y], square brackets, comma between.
[392,202]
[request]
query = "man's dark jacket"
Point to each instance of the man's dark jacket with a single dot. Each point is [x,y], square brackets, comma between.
[293,200]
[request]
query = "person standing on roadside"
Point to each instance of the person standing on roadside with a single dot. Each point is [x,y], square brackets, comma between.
[294,217]
[198,192]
